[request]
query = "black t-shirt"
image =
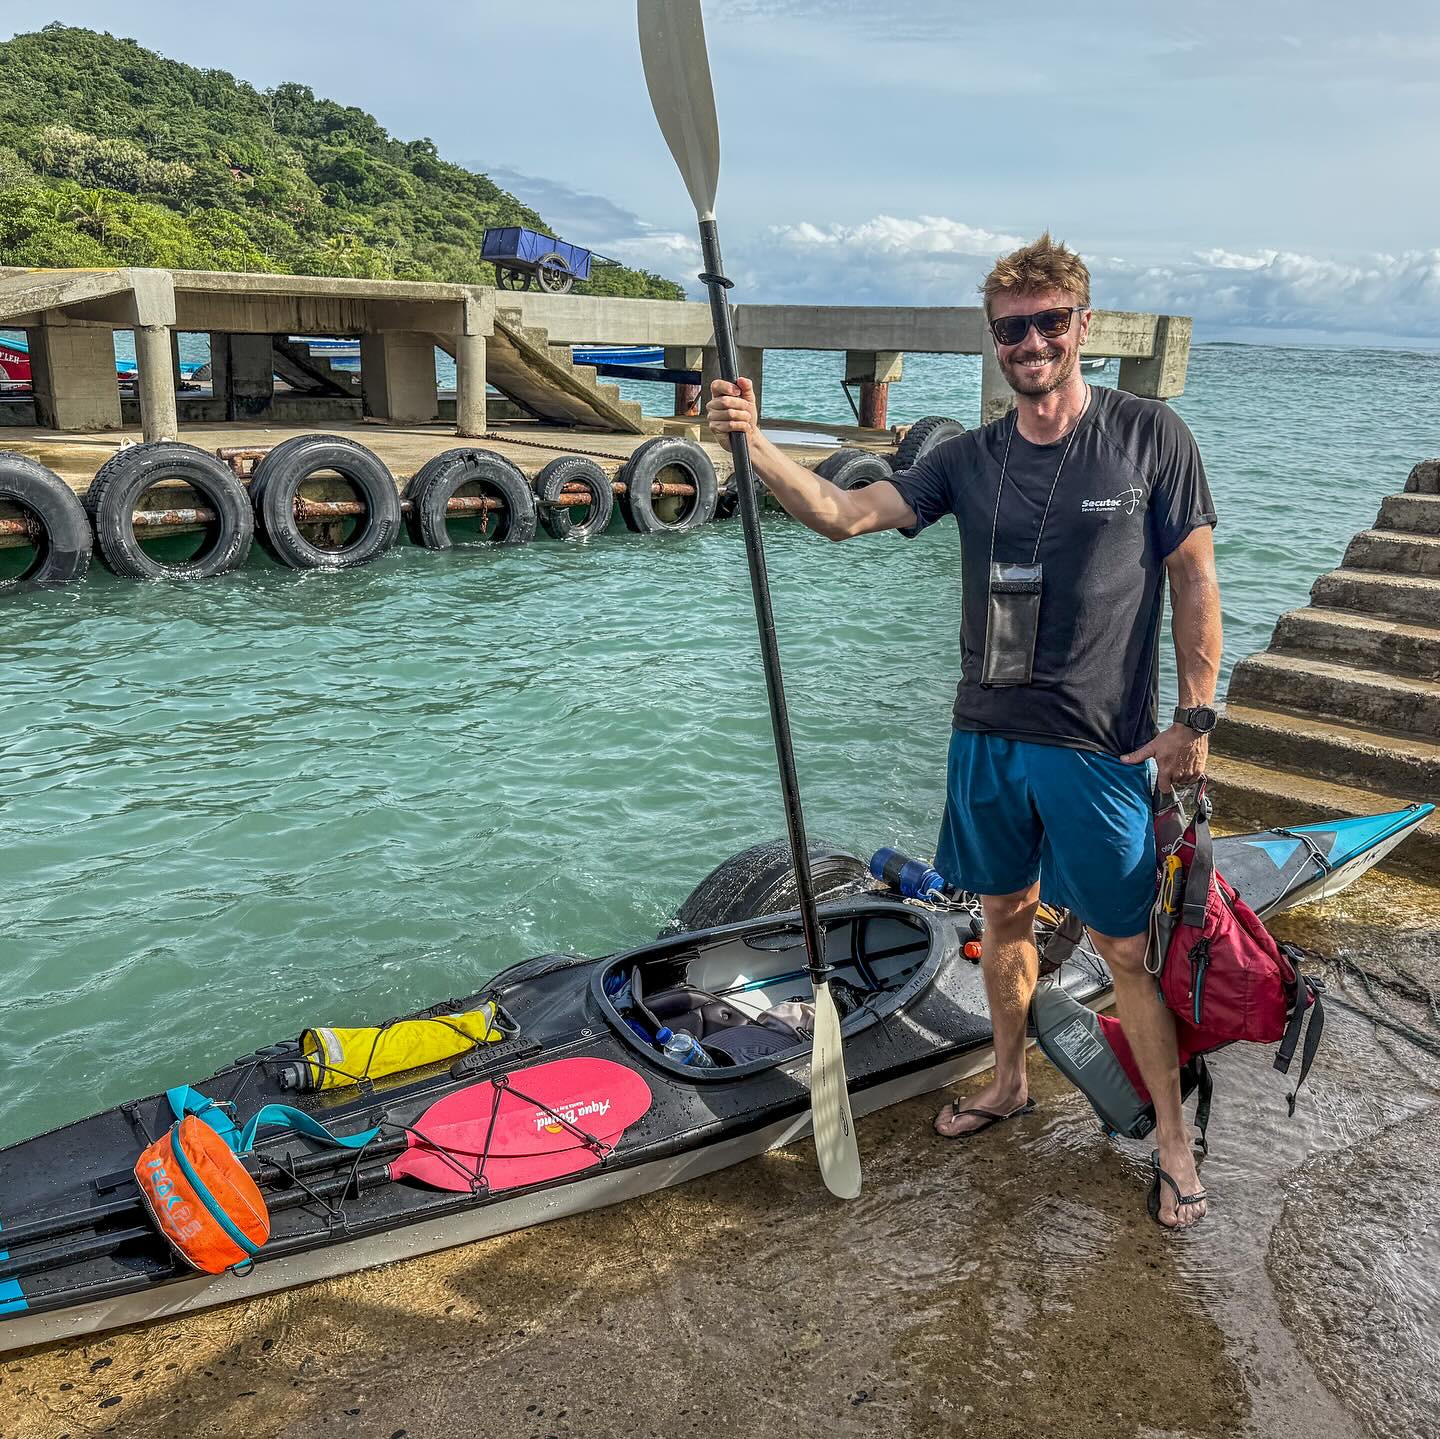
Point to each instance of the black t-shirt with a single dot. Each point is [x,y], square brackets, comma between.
[1131,489]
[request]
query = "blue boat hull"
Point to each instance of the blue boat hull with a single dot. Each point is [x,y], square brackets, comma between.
[618,355]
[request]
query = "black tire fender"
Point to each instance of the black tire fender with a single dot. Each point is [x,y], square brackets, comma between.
[643,469]
[128,475]
[850,469]
[409,515]
[276,485]
[761,880]
[491,474]
[922,437]
[64,541]
[574,470]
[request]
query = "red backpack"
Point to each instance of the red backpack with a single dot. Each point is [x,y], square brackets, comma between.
[1217,967]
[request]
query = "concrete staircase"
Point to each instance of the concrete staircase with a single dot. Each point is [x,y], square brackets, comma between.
[540,377]
[1341,714]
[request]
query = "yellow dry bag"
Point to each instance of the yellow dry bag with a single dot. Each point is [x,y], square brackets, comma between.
[336,1057]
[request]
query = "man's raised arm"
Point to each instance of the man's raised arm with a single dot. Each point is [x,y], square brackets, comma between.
[835,513]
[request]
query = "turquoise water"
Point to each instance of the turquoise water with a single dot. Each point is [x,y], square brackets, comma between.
[237,808]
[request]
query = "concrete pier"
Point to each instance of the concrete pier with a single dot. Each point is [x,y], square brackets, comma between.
[156,366]
[249,375]
[397,377]
[73,375]
[523,351]
[689,399]
[874,371]
[1340,715]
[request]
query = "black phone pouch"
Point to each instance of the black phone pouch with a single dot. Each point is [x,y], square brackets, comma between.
[1012,621]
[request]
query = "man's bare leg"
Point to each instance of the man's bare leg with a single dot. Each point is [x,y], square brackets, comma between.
[1010,964]
[1150,1029]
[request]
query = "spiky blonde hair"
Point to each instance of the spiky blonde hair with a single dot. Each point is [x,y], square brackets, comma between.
[1044,264]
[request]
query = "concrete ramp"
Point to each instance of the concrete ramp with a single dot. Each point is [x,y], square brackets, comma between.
[302,370]
[540,377]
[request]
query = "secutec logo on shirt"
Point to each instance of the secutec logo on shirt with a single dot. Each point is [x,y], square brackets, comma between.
[1127,500]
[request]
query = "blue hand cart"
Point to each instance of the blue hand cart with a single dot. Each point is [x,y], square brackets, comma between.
[525,257]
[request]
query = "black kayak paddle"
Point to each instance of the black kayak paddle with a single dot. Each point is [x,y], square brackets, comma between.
[677,74]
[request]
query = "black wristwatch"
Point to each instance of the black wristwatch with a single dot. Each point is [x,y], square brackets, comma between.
[1201,718]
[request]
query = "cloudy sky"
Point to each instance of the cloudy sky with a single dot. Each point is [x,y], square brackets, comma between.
[1267,166]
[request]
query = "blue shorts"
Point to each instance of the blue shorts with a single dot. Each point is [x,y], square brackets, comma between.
[1077,821]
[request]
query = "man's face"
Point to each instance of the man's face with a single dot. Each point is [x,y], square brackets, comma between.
[1036,366]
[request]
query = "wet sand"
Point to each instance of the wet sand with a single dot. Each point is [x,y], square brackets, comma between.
[1012,1286]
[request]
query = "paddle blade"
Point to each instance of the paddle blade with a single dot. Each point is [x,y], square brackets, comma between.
[677,74]
[830,1102]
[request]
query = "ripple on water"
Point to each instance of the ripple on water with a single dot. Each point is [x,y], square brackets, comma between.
[235,808]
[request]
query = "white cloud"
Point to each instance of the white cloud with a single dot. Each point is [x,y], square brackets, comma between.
[886,260]
[889,235]
[1375,294]
[935,260]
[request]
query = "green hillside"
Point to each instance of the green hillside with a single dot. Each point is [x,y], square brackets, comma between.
[113,155]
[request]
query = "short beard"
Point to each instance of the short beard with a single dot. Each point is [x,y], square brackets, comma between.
[1021,383]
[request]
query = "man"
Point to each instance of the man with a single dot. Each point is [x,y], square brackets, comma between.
[1073,509]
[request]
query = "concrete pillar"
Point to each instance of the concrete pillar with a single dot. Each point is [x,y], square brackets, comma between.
[219,364]
[875,371]
[689,399]
[154,359]
[397,377]
[752,368]
[997,399]
[249,375]
[470,419]
[72,368]
[1162,375]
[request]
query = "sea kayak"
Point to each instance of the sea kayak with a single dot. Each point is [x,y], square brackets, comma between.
[573,1105]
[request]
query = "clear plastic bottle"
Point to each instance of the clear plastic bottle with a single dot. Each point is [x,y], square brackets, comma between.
[683,1048]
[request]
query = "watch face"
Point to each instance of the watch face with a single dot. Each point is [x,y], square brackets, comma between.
[1202,718]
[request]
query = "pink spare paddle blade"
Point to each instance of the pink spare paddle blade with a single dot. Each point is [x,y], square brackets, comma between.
[536,1115]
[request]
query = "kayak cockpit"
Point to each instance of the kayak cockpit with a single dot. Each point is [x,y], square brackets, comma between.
[743,994]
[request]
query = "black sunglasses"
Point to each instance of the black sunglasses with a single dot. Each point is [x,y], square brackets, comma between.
[1011,329]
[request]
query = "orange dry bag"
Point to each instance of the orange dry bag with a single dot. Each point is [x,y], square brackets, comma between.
[202,1198]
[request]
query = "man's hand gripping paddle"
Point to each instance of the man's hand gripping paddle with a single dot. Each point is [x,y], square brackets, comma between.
[677,73]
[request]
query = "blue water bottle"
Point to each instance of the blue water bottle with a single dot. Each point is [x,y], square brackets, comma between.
[912,877]
[683,1048]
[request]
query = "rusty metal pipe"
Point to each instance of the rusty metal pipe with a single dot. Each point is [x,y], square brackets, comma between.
[159,519]
[242,459]
[874,404]
[319,511]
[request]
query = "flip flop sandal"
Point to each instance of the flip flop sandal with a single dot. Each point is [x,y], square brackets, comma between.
[1152,1199]
[990,1116]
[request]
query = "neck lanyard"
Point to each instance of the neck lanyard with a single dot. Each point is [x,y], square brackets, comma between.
[1005,465]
